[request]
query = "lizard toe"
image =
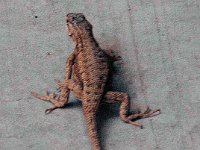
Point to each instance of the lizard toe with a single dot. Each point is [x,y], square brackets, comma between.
[136,124]
[49,110]
[152,113]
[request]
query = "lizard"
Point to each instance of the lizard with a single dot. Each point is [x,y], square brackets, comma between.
[88,70]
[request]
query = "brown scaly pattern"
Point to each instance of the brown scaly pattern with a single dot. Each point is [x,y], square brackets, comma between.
[88,69]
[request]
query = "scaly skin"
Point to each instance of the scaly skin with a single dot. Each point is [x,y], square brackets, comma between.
[87,71]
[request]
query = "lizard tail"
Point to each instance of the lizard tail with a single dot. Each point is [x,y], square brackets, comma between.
[90,117]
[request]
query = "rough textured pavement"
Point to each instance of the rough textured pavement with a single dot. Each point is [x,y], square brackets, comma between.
[159,41]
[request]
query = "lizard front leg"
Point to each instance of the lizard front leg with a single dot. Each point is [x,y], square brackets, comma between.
[65,91]
[122,98]
[62,99]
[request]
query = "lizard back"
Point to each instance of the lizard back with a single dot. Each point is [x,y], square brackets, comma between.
[91,69]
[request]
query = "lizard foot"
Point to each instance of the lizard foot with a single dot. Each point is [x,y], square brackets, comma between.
[146,114]
[54,98]
[48,110]
[46,97]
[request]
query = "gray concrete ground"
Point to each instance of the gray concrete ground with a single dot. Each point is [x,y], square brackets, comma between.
[160,45]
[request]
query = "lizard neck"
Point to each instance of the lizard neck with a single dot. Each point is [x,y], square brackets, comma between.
[86,41]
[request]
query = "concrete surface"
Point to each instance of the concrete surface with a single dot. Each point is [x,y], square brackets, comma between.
[160,45]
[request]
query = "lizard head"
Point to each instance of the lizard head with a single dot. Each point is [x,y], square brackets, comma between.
[77,25]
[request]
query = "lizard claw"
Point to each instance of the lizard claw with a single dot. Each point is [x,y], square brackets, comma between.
[148,113]
[47,97]
[152,113]
[53,98]
[44,98]
[136,124]
[49,110]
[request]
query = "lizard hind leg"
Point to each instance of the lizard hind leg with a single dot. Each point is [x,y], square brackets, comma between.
[122,98]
